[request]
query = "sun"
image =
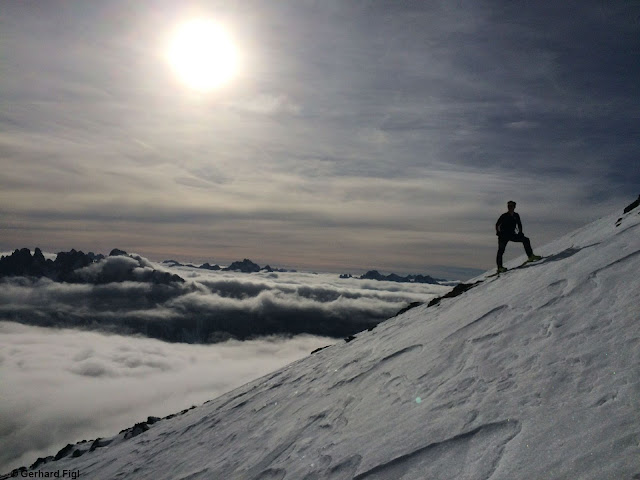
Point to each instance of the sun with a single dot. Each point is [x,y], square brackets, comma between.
[202,54]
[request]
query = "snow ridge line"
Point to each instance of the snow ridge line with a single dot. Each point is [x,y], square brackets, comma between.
[499,435]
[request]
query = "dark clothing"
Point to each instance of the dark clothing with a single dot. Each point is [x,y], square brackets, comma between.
[516,237]
[506,224]
[506,231]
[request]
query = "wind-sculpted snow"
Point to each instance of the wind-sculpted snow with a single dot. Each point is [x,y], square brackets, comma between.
[131,295]
[484,444]
[532,374]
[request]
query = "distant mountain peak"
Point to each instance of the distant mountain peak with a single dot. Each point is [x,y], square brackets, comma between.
[77,267]
[245,266]
[375,275]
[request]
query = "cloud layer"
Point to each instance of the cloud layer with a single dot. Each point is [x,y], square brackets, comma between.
[64,385]
[211,306]
[60,386]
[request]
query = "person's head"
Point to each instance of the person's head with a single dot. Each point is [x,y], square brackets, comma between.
[511,205]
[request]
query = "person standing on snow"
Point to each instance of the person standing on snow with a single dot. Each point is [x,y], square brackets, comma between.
[506,231]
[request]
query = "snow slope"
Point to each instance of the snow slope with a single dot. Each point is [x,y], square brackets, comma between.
[531,375]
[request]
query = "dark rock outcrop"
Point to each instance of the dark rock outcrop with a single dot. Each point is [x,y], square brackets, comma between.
[151,420]
[161,278]
[455,291]
[318,349]
[172,263]
[94,257]
[66,262]
[39,461]
[99,443]
[78,267]
[426,279]
[206,266]
[21,263]
[136,430]
[633,205]
[63,452]
[375,275]
[245,266]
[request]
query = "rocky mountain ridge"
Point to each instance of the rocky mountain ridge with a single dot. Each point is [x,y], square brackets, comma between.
[79,267]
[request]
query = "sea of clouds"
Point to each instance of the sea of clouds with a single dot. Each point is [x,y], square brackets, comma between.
[113,369]
[210,306]
[61,386]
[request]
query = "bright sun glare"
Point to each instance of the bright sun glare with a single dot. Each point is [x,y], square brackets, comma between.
[202,54]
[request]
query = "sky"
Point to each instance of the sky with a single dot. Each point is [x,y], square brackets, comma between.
[352,135]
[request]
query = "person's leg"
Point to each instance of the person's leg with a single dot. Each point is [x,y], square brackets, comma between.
[525,241]
[527,246]
[502,244]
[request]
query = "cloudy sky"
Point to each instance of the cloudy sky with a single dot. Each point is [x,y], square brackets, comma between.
[350,135]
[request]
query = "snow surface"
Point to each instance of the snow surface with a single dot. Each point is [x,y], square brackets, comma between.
[530,375]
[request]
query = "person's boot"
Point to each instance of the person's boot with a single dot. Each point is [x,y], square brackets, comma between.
[501,269]
[534,258]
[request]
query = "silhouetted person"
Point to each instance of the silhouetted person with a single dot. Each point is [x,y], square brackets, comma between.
[506,227]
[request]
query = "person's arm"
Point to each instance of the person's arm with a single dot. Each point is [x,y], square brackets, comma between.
[498,225]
